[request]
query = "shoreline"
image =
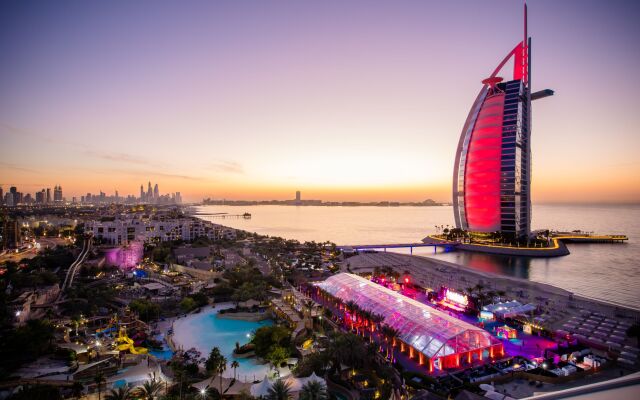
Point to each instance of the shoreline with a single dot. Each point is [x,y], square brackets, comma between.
[526,283]
[244,316]
[561,305]
[603,289]
[432,273]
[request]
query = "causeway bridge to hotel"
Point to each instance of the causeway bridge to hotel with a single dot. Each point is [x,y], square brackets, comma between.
[435,244]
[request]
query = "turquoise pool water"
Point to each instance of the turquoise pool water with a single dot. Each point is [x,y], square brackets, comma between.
[205,330]
[165,353]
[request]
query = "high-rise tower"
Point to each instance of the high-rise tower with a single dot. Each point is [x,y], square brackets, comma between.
[57,194]
[492,171]
[156,192]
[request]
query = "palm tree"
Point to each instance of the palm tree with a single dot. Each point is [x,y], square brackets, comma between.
[280,390]
[313,390]
[123,393]
[390,334]
[149,390]
[217,364]
[99,380]
[234,365]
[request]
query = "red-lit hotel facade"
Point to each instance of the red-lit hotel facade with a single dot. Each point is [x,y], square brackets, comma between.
[492,172]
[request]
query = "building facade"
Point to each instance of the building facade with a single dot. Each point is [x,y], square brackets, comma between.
[492,171]
[127,229]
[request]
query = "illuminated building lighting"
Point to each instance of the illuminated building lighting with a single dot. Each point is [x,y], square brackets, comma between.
[492,170]
[456,297]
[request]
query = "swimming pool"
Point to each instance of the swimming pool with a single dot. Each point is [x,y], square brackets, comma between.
[205,330]
[165,353]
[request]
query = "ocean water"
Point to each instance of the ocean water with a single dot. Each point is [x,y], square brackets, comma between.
[608,272]
[205,330]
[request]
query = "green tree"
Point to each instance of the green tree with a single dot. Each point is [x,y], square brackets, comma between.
[266,337]
[277,356]
[234,364]
[122,393]
[313,390]
[216,364]
[147,310]
[187,304]
[149,390]
[280,390]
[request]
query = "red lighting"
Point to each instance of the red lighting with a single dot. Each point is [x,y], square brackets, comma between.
[406,280]
[482,172]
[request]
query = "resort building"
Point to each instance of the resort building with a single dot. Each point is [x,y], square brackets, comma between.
[492,171]
[126,228]
[432,337]
[296,308]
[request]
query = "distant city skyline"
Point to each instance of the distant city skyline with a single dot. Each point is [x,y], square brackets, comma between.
[16,197]
[346,102]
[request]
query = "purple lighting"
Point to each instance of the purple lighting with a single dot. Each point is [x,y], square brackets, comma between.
[126,257]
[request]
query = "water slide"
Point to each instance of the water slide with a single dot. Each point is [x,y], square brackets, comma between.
[127,344]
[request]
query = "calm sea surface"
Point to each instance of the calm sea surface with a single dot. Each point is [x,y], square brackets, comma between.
[604,271]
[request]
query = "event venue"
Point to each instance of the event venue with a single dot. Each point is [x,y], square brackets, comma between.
[436,339]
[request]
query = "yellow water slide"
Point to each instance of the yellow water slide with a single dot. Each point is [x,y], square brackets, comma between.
[126,343]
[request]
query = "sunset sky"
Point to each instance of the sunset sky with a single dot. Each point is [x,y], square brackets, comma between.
[343,100]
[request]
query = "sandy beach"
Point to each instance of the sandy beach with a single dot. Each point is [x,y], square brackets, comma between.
[427,272]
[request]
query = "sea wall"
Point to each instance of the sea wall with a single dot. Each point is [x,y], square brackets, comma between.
[560,249]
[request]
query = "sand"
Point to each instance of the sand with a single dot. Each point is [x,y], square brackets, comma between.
[559,304]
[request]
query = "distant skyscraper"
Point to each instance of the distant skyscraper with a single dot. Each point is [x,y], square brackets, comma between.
[149,192]
[11,198]
[40,197]
[141,193]
[48,195]
[1,196]
[57,194]
[156,192]
[298,197]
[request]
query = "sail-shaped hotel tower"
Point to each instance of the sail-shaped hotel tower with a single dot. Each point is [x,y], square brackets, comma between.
[492,172]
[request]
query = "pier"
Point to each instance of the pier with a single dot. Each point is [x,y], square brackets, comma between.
[223,215]
[448,246]
[589,238]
